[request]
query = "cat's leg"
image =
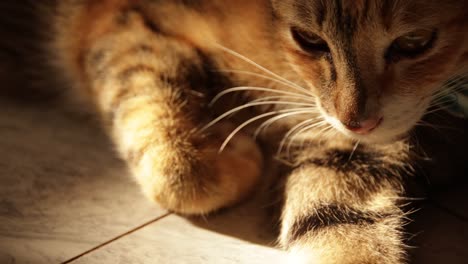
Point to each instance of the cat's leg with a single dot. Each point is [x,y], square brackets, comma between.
[341,207]
[150,90]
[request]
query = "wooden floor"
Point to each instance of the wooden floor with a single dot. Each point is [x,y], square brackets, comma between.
[66,198]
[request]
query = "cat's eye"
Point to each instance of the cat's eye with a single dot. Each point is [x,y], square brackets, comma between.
[309,42]
[414,43]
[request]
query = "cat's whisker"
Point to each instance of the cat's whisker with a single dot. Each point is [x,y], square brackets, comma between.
[460,74]
[356,146]
[285,161]
[295,111]
[329,133]
[275,97]
[402,198]
[458,88]
[252,104]
[333,132]
[250,88]
[443,103]
[454,81]
[322,123]
[438,128]
[290,132]
[246,123]
[300,132]
[266,78]
[454,84]
[324,132]
[425,124]
[308,127]
[251,62]
[434,110]
[442,96]
[443,93]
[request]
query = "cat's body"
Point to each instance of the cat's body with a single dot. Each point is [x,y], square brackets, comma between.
[151,68]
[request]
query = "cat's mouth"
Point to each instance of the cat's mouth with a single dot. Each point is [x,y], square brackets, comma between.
[364,127]
[383,127]
[371,131]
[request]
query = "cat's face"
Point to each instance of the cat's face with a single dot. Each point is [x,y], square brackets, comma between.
[373,64]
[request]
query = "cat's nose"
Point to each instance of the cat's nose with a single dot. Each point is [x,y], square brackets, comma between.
[363,127]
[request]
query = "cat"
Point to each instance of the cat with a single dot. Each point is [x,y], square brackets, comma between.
[338,87]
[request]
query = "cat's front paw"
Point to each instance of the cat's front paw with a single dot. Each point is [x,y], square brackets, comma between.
[192,177]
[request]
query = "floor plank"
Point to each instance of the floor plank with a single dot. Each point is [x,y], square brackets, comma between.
[242,234]
[62,189]
[175,240]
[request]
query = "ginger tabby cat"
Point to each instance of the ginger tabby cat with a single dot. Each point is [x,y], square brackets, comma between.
[337,86]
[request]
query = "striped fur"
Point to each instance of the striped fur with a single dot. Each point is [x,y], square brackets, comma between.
[150,68]
[341,205]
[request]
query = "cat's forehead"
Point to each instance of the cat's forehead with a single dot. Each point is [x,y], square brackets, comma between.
[388,13]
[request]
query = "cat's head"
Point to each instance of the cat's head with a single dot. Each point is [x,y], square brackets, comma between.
[375,65]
